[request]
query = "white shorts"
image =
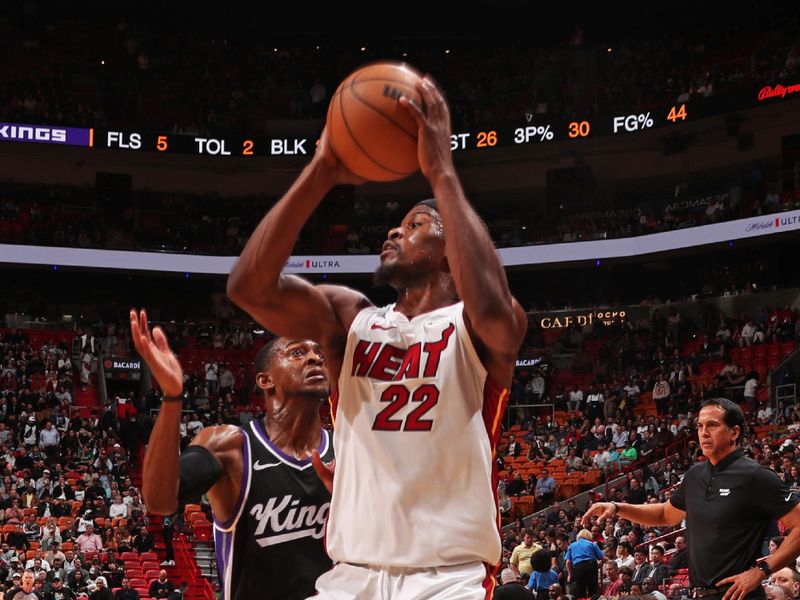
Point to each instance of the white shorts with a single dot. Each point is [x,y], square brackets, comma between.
[472,581]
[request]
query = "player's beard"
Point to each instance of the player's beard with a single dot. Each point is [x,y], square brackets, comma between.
[400,276]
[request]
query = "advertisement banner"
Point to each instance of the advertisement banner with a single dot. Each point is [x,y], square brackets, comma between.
[360,263]
[118,368]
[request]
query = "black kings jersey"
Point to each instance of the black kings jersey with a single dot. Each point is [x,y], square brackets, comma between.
[273,547]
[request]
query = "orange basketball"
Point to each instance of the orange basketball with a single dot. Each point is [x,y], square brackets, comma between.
[370,133]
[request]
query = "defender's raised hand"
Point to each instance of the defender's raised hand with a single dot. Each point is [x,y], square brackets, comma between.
[155,351]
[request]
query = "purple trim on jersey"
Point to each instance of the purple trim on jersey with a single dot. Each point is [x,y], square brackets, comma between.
[243,487]
[220,540]
[259,428]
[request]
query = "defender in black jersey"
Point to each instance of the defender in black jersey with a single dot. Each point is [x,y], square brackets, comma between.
[270,506]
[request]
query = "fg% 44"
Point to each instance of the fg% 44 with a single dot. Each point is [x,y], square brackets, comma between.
[633,122]
[541,133]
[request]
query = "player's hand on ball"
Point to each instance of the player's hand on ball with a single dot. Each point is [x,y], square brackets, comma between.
[155,351]
[326,156]
[433,134]
[324,470]
[602,509]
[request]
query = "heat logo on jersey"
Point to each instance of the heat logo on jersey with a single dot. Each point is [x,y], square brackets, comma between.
[285,520]
[384,362]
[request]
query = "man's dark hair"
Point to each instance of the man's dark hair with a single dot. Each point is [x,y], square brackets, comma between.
[628,546]
[658,548]
[264,356]
[562,536]
[540,561]
[626,571]
[732,414]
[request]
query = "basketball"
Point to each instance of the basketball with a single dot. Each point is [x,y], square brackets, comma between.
[371,134]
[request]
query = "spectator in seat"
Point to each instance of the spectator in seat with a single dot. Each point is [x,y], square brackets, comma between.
[625,556]
[89,541]
[180,592]
[545,489]
[78,579]
[679,560]
[113,574]
[503,501]
[510,588]
[126,592]
[517,485]
[514,447]
[777,592]
[101,591]
[625,574]
[636,493]
[789,578]
[118,508]
[614,585]
[58,591]
[57,571]
[161,587]
[144,541]
[32,528]
[747,335]
[641,566]
[649,587]
[674,591]
[17,538]
[659,571]
[628,455]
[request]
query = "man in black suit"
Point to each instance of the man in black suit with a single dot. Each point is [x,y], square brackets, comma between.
[659,571]
[641,567]
[680,560]
[636,493]
[514,447]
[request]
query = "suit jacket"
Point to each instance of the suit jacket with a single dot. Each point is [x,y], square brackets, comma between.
[658,573]
[680,560]
[640,572]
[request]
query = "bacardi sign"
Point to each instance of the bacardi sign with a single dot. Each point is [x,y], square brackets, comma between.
[581,318]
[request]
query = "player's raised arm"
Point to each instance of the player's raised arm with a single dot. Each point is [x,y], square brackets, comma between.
[213,463]
[494,315]
[286,304]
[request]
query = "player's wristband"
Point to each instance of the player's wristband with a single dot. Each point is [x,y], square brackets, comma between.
[616,508]
[178,399]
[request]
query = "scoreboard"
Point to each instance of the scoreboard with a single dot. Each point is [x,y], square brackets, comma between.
[533,131]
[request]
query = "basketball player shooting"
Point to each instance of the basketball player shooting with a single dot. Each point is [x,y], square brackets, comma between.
[268,504]
[419,385]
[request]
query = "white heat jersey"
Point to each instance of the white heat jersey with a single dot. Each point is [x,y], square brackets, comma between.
[416,422]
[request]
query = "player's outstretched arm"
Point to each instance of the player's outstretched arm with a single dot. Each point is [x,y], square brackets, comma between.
[212,463]
[160,472]
[286,304]
[495,317]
